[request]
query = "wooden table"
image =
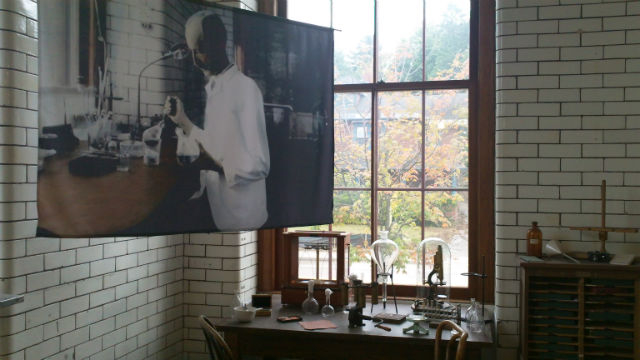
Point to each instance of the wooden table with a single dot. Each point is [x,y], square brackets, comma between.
[75,206]
[264,336]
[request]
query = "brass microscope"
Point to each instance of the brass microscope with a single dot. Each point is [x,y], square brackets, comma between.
[434,305]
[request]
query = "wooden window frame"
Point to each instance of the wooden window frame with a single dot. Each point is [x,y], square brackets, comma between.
[272,259]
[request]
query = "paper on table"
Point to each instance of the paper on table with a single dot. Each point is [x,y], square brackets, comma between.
[318,324]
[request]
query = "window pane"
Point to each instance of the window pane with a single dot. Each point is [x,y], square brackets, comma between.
[317,12]
[446,138]
[352,135]
[317,258]
[399,214]
[352,213]
[353,43]
[399,40]
[447,39]
[446,216]
[399,139]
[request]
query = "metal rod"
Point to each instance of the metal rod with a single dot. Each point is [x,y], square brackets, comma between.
[395,298]
[318,263]
[483,276]
[603,197]
[140,77]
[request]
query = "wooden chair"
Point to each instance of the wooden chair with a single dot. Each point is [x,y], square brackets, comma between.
[218,348]
[459,339]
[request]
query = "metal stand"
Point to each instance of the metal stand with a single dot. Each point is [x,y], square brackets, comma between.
[483,276]
[603,230]
[395,299]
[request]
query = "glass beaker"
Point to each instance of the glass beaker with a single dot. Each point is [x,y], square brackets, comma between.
[187,150]
[123,159]
[112,147]
[152,142]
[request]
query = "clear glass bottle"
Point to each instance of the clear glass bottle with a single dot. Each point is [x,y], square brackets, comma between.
[474,317]
[310,304]
[327,309]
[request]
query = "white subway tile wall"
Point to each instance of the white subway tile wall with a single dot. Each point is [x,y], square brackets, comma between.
[100,298]
[216,267]
[567,118]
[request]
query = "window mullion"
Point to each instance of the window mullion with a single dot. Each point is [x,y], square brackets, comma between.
[424,41]
[423,122]
[374,138]
[423,160]
[405,86]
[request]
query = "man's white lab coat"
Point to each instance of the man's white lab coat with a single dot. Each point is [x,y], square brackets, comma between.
[235,136]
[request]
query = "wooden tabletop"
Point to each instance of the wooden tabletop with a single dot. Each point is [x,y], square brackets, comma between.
[76,206]
[290,335]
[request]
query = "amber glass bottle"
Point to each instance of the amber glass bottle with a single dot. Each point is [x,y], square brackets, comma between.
[534,240]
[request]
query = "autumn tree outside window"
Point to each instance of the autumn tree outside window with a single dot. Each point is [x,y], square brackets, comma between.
[413,122]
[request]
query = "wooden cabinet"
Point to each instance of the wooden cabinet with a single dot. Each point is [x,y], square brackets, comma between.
[580,311]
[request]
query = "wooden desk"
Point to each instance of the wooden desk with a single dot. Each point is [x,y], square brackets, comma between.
[77,206]
[264,336]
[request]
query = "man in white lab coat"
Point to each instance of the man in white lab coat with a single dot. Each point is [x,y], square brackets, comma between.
[233,137]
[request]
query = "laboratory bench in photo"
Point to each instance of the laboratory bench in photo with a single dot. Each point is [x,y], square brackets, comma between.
[104,203]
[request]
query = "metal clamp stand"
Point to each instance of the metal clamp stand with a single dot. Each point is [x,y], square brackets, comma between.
[395,299]
[483,276]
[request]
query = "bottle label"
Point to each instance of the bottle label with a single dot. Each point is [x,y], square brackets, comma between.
[533,241]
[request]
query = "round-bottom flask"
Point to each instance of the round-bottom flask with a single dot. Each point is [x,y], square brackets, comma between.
[327,309]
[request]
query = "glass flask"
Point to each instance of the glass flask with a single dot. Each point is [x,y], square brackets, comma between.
[112,147]
[152,142]
[384,253]
[310,304]
[187,150]
[98,134]
[123,159]
[474,317]
[327,309]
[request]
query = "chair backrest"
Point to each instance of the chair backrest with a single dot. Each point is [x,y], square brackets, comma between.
[218,348]
[458,339]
